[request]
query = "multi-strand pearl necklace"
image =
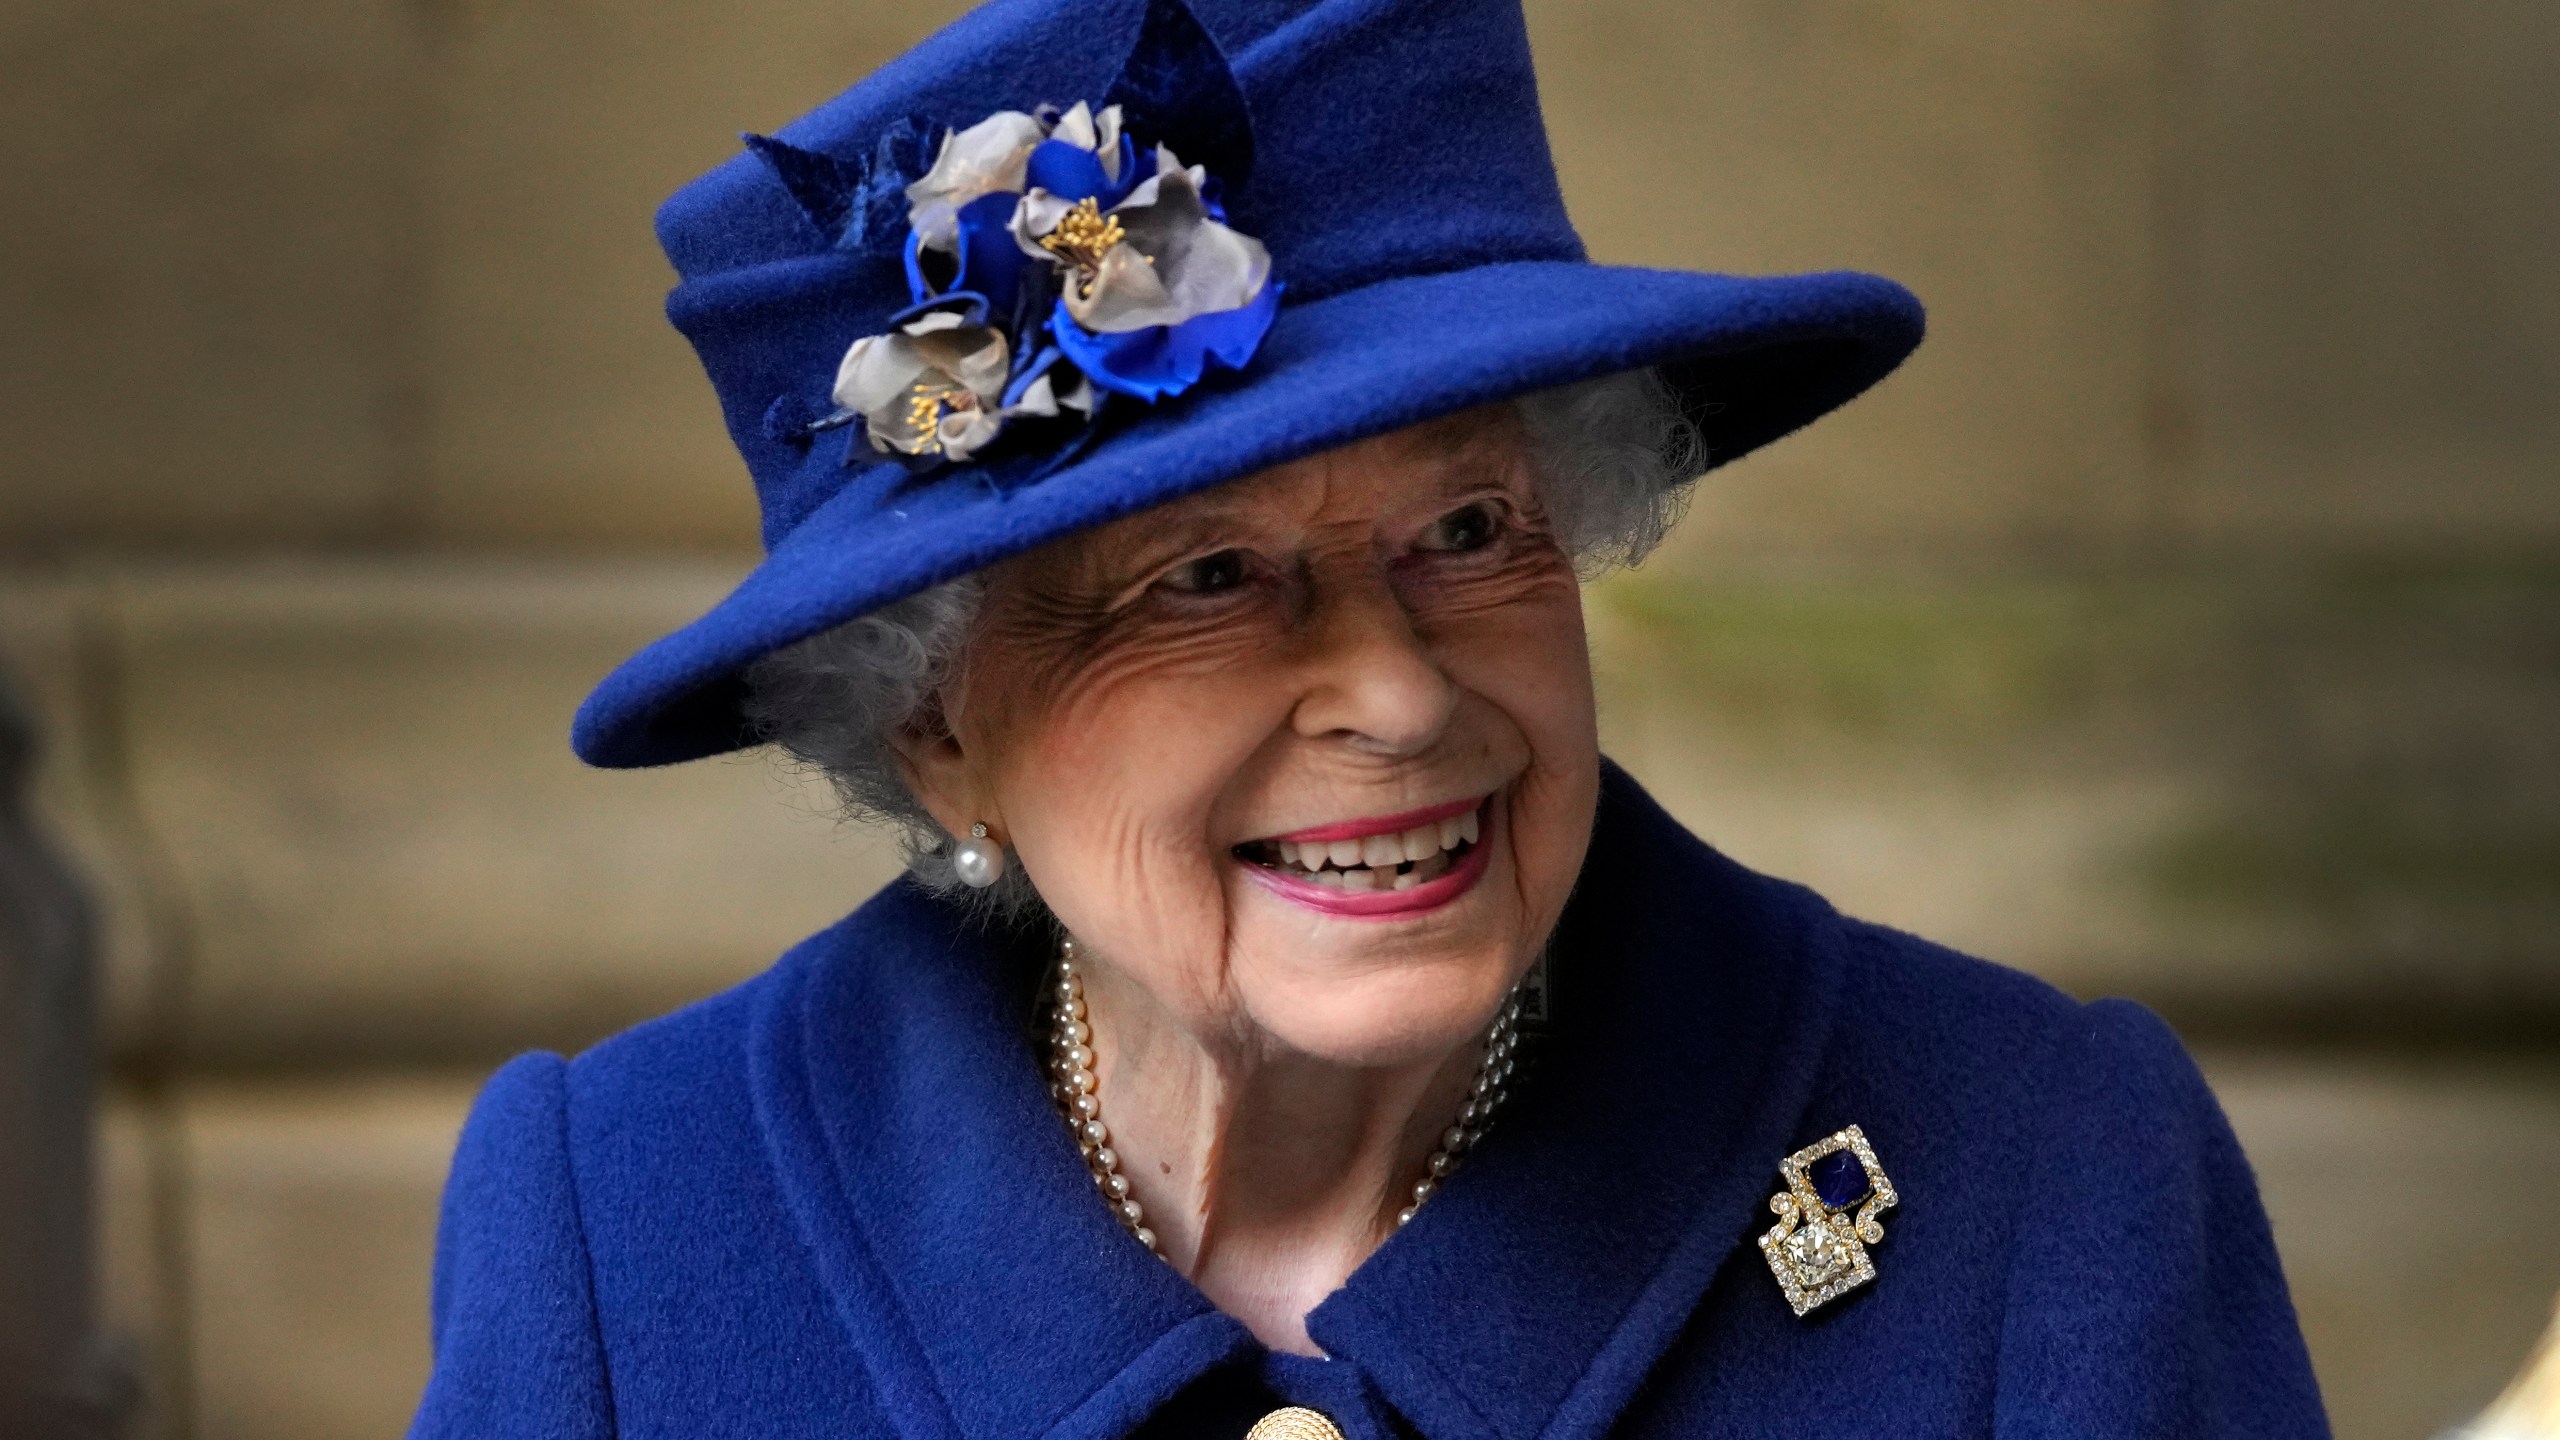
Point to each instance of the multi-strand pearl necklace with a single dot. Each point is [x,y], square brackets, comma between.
[1077,1092]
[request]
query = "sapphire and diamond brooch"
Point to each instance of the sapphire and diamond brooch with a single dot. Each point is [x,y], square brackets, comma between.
[1816,1250]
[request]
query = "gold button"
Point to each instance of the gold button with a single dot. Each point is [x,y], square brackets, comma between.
[1293,1422]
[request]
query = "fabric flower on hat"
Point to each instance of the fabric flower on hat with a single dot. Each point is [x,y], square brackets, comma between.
[1086,154]
[1051,267]
[933,386]
[988,158]
[944,384]
[1158,286]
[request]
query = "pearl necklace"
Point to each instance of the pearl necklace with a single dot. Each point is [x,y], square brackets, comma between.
[1077,1092]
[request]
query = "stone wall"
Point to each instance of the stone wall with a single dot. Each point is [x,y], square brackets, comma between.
[2180,623]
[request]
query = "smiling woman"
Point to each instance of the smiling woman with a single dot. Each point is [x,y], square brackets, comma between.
[1178,485]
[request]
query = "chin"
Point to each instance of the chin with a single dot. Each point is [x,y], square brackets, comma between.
[1366,1010]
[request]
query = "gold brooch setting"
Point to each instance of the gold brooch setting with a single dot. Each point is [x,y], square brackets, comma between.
[1817,1251]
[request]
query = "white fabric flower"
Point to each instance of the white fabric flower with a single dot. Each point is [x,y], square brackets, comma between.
[985,159]
[933,386]
[1158,260]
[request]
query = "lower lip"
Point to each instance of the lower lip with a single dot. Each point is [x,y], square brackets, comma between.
[1384,904]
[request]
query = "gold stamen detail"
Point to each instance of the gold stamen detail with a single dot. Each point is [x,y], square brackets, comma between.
[927,406]
[1084,235]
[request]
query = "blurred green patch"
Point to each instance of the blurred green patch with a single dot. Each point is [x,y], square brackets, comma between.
[1946,657]
[1869,658]
[2346,857]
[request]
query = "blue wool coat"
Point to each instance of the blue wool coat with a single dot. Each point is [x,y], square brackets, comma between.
[836,1202]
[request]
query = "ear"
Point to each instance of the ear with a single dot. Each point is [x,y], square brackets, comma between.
[939,773]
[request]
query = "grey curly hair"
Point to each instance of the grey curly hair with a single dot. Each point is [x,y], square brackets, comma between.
[1615,458]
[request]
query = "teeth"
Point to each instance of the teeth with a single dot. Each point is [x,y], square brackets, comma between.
[1371,862]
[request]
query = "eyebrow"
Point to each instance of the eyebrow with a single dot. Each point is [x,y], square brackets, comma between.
[1158,535]
[1173,533]
[1481,462]
[1124,566]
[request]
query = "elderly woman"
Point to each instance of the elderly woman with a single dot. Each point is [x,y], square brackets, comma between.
[1178,471]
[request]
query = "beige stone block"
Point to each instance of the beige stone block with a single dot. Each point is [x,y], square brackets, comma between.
[2319,799]
[361,778]
[2364,319]
[311,1233]
[2409,1202]
[1994,155]
[210,266]
[565,405]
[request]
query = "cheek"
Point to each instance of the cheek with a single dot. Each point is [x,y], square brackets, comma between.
[1530,660]
[1536,665]
[1515,637]
[1108,769]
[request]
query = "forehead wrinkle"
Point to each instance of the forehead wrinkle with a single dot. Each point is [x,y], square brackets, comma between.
[1190,523]
[1463,452]
[1441,460]
[1443,457]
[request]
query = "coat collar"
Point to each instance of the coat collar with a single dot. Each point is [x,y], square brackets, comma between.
[996,1297]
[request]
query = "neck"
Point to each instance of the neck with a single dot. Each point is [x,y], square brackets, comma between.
[1267,1175]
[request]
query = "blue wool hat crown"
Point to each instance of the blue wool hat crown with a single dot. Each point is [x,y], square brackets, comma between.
[1353,225]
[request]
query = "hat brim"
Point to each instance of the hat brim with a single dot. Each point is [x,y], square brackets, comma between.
[1753,359]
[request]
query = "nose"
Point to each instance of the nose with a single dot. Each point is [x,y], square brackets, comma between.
[1372,681]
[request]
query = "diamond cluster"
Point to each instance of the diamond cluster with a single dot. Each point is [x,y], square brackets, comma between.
[1817,1251]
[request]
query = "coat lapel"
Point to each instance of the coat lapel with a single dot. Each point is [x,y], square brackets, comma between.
[1692,1001]
[991,1291]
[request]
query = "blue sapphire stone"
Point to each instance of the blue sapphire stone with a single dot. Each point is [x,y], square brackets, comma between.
[1839,1179]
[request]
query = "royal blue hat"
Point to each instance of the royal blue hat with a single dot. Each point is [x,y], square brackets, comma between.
[1070,259]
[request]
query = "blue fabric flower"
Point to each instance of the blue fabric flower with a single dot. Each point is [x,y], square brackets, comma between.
[1160,360]
[1159,286]
[977,257]
[1086,157]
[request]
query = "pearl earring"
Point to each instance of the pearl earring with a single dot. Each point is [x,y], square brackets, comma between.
[979,861]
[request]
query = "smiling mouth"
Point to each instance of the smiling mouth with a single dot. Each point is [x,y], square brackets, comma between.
[1380,861]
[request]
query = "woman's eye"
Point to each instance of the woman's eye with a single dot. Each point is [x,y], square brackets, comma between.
[1207,575]
[1469,527]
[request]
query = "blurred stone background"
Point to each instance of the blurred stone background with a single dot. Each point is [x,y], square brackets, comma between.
[2184,622]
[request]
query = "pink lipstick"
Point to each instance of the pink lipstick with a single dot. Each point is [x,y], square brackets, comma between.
[1382,824]
[1380,867]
